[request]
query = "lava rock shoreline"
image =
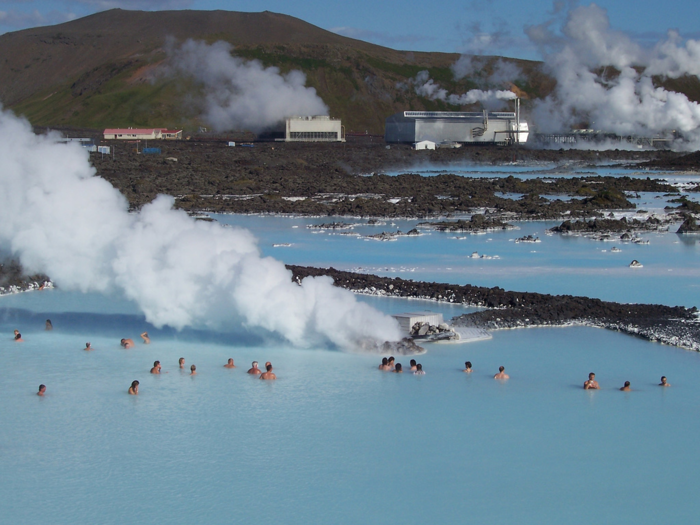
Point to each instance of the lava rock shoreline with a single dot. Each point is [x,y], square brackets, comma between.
[672,325]
[14,280]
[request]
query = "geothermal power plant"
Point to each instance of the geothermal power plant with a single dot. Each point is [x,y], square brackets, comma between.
[443,127]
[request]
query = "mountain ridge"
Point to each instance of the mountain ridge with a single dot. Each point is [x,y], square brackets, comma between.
[97,71]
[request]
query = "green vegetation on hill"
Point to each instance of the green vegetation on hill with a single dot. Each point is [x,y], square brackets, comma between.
[102,70]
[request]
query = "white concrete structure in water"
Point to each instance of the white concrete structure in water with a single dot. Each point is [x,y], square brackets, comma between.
[318,128]
[424,144]
[442,127]
[407,320]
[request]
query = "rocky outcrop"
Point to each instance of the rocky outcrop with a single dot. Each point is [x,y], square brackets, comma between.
[14,280]
[476,224]
[689,225]
[429,332]
[611,225]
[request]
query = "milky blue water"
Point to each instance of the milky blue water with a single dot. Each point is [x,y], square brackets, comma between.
[334,440]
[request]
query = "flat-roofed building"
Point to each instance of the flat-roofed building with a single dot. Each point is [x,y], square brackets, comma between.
[142,134]
[171,134]
[319,128]
[441,127]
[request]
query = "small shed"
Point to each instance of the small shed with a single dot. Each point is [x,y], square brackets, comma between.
[171,134]
[407,320]
[424,144]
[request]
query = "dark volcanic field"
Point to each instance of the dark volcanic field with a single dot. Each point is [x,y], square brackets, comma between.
[347,179]
[673,325]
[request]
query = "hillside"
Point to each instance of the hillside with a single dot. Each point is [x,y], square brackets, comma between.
[100,70]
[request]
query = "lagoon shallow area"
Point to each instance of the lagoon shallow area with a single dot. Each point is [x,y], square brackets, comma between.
[334,440]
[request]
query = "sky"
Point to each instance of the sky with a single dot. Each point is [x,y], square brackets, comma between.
[491,27]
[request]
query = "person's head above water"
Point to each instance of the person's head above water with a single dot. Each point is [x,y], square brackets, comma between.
[467,364]
[181,362]
[502,368]
[398,367]
[42,390]
[592,376]
[413,362]
[385,361]
[268,367]
[193,368]
[255,364]
[419,367]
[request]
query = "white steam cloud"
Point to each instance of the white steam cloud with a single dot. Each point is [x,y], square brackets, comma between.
[491,99]
[502,73]
[61,219]
[581,56]
[243,94]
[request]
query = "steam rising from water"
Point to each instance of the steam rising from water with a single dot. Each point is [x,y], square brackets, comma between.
[243,94]
[59,218]
[580,58]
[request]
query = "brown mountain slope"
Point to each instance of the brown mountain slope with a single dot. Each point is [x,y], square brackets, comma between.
[95,71]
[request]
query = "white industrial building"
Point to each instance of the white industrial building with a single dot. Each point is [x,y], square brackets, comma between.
[142,134]
[318,128]
[496,127]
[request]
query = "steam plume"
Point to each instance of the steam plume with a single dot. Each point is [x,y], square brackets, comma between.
[491,99]
[580,58]
[243,94]
[60,219]
[502,71]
